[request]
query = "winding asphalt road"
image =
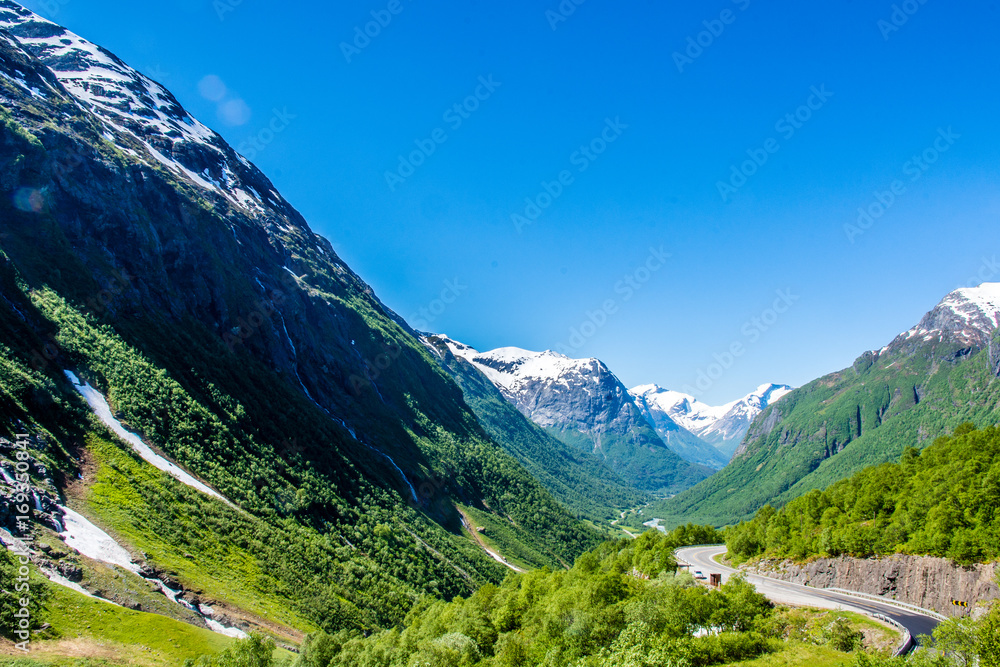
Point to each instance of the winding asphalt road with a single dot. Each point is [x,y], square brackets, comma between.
[783,592]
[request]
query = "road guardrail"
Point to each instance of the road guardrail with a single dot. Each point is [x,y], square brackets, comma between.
[894,603]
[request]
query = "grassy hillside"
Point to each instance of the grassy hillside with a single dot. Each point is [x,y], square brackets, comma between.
[85,628]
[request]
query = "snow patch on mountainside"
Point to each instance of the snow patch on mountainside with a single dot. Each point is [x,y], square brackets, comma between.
[80,534]
[129,102]
[512,367]
[89,540]
[100,406]
[985,300]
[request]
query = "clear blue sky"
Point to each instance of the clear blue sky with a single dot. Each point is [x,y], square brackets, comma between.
[655,186]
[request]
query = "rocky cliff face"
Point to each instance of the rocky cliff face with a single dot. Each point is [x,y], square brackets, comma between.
[560,393]
[931,583]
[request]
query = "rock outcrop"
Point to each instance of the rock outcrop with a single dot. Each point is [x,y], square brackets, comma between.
[931,583]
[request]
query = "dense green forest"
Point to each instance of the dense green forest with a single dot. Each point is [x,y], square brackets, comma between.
[955,643]
[621,605]
[942,501]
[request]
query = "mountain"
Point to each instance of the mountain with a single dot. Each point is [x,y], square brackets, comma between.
[213,400]
[722,427]
[580,480]
[582,403]
[967,316]
[930,379]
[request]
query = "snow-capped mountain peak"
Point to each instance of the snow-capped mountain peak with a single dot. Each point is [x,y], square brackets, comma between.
[582,403]
[683,408]
[141,117]
[554,390]
[968,315]
[721,425]
[511,367]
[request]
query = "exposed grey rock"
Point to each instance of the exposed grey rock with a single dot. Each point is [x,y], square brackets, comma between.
[931,583]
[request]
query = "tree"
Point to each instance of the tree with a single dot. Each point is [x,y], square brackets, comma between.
[958,637]
[745,606]
[988,635]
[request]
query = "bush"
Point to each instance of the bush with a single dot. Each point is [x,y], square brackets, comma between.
[842,637]
[255,651]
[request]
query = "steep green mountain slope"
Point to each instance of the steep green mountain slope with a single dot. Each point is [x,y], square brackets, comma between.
[578,479]
[938,502]
[141,252]
[942,373]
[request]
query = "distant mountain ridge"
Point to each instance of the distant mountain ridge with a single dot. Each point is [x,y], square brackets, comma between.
[722,426]
[582,403]
[581,480]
